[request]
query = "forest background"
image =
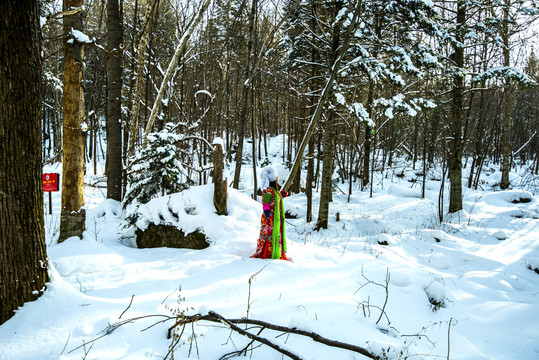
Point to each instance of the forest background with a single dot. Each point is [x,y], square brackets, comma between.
[355,84]
[446,81]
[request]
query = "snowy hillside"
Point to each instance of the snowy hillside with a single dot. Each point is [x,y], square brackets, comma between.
[462,290]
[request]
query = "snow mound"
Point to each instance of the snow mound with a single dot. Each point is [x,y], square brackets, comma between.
[436,293]
[400,279]
[193,209]
[500,235]
[404,192]
[429,235]
[511,196]
[108,209]
[533,264]
[83,256]
[385,239]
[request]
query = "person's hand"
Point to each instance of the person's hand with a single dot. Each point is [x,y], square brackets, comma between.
[267,213]
[284,193]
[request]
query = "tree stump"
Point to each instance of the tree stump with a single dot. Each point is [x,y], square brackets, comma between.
[220,184]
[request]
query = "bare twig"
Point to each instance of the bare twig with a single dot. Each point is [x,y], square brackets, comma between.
[251,278]
[127,308]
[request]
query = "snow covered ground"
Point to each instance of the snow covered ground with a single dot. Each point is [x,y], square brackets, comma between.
[464,289]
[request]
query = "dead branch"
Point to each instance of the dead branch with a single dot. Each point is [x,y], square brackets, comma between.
[231,323]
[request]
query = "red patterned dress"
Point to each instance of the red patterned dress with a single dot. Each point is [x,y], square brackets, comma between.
[272,228]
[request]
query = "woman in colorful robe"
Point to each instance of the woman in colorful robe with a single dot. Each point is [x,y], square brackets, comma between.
[272,241]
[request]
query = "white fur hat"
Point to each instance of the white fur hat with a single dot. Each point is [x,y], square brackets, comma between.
[268,174]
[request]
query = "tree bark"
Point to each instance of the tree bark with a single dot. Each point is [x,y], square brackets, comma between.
[114,168]
[23,258]
[327,172]
[72,215]
[220,183]
[245,98]
[506,100]
[455,146]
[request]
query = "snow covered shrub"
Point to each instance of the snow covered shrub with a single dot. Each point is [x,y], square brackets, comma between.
[436,293]
[157,170]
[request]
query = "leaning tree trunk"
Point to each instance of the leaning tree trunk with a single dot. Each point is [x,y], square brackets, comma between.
[114,167]
[72,215]
[455,152]
[139,84]
[23,258]
[321,101]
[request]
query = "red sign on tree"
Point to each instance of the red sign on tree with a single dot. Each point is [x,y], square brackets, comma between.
[50,182]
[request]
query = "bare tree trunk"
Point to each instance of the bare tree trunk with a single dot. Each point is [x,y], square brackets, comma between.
[309,181]
[72,215]
[506,100]
[23,258]
[455,153]
[114,168]
[327,171]
[368,140]
[220,184]
[245,98]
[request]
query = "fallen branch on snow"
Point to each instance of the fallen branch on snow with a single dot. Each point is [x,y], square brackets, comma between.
[232,324]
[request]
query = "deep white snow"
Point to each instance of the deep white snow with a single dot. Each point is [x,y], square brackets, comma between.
[464,289]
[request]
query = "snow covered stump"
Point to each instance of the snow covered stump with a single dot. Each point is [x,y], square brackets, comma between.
[220,188]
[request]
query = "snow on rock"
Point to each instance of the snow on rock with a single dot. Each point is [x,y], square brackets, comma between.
[500,235]
[510,196]
[430,235]
[436,294]
[533,264]
[193,209]
[385,239]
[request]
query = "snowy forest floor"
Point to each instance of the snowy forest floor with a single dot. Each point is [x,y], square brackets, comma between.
[461,289]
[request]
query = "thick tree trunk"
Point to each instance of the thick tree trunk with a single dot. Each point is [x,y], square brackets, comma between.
[23,258]
[114,168]
[220,191]
[455,147]
[327,171]
[72,215]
